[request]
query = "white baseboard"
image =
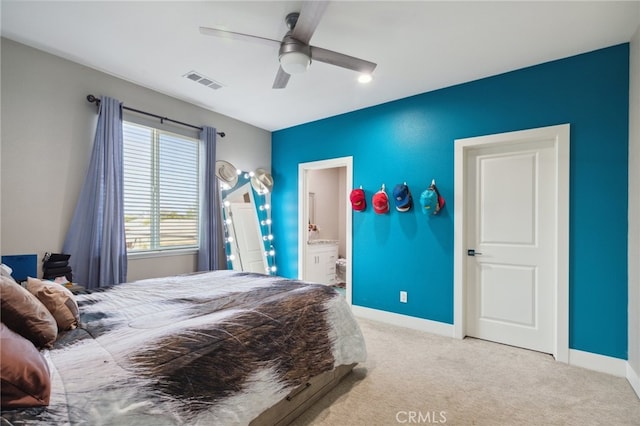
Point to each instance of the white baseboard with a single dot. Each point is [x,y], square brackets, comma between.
[634,379]
[601,363]
[434,327]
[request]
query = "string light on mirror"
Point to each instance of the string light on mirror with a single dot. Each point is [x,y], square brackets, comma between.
[265,224]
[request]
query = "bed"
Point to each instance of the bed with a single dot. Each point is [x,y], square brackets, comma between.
[222,347]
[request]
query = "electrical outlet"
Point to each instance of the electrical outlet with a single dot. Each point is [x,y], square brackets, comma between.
[403,297]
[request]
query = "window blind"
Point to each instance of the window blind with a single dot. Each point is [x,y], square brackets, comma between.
[161,188]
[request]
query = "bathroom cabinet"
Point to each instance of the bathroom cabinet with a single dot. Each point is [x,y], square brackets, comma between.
[321,263]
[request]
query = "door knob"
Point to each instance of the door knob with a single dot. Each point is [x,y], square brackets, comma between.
[473,252]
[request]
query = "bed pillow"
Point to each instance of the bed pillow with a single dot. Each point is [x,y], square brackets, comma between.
[58,300]
[5,270]
[24,373]
[22,312]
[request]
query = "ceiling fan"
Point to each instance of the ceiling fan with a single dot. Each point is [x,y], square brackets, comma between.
[295,53]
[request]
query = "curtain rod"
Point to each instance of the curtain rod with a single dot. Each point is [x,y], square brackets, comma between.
[162,119]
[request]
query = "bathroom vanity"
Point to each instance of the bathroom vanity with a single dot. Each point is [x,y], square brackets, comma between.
[321,261]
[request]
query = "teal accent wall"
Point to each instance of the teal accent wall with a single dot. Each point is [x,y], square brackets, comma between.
[412,140]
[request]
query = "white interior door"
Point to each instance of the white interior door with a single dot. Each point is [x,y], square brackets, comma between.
[247,233]
[511,226]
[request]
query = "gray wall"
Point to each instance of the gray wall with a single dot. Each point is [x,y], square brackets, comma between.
[47,135]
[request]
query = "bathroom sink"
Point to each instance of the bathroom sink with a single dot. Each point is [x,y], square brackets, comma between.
[322,241]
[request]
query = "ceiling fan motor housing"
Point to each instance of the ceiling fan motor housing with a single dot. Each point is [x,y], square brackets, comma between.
[294,56]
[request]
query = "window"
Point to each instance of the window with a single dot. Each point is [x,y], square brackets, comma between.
[161,189]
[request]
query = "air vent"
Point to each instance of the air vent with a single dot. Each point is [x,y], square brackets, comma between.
[205,81]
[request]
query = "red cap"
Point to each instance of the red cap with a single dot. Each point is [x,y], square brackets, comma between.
[358,202]
[380,202]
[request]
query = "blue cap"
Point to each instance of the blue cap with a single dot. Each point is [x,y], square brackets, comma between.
[402,197]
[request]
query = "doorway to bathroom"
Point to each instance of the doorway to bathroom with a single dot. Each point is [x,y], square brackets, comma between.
[325,222]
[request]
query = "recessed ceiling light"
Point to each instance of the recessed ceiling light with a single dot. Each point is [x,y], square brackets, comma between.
[365,78]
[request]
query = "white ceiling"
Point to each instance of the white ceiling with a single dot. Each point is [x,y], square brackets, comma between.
[419,46]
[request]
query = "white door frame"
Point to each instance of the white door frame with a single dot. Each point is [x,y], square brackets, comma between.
[560,134]
[303,209]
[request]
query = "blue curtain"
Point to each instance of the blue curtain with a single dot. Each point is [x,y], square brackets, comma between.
[96,239]
[211,246]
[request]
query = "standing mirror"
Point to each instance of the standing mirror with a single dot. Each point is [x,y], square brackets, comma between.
[246,214]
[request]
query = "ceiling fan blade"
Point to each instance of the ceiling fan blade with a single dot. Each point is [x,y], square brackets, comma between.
[281,80]
[238,36]
[341,60]
[308,20]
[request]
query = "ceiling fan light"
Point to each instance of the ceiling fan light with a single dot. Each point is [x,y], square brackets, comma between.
[294,62]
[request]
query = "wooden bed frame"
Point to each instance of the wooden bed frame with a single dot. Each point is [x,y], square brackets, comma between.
[303,397]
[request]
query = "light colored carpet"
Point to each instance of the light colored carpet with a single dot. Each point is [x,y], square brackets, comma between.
[412,377]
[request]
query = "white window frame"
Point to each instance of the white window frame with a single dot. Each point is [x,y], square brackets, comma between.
[155,250]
